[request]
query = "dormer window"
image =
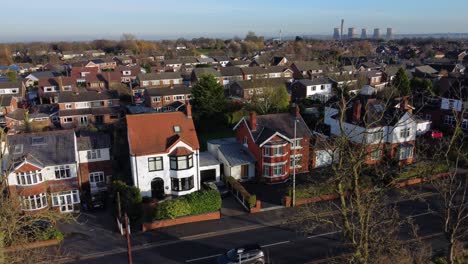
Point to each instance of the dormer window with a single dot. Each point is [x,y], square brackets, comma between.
[18,149]
[176,129]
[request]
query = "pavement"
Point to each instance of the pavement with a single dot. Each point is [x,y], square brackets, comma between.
[90,241]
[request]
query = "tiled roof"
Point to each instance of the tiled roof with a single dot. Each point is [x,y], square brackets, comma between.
[154,132]
[159,76]
[231,71]
[176,89]
[180,151]
[86,96]
[261,83]
[90,111]
[314,81]
[89,140]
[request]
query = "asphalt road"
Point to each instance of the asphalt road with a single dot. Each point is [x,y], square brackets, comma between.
[282,243]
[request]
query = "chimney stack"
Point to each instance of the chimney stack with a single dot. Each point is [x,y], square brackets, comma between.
[297,111]
[404,105]
[188,107]
[357,111]
[253,121]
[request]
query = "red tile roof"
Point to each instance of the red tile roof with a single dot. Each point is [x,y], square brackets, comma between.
[154,133]
[180,151]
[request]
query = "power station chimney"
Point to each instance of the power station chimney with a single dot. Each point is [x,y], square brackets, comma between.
[389,33]
[376,33]
[336,33]
[342,25]
[364,33]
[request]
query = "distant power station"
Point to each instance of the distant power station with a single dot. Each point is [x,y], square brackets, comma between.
[338,33]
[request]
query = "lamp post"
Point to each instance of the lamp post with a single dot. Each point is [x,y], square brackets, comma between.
[294,164]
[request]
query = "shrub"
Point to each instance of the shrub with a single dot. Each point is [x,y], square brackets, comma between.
[130,199]
[204,202]
[251,199]
[50,233]
[200,202]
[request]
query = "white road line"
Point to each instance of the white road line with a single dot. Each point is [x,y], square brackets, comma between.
[274,244]
[207,257]
[324,234]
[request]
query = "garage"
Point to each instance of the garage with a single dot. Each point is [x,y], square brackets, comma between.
[208,175]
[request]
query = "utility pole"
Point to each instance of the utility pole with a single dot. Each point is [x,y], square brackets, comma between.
[294,164]
[127,234]
[119,209]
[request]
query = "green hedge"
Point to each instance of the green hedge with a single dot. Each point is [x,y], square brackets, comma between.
[250,198]
[200,202]
[421,170]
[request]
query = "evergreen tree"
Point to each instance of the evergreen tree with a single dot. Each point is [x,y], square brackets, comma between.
[402,82]
[208,98]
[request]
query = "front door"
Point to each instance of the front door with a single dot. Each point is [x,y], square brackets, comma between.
[66,203]
[83,120]
[245,171]
[157,188]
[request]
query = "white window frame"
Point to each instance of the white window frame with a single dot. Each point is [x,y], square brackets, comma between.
[63,171]
[178,97]
[156,99]
[298,161]
[68,120]
[68,106]
[99,175]
[167,98]
[296,143]
[93,154]
[29,178]
[405,152]
[405,132]
[34,202]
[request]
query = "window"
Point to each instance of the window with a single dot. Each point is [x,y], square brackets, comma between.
[246,141]
[278,151]
[451,104]
[295,161]
[34,202]
[35,141]
[464,125]
[182,184]
[178,97]
[296,144]
[62,172]
[93,154]
[313,88]
[96,176]
[97,104]
[114,116]
[251,91]
[155,82]
[405,132]
[449,120]
[166,81]
[155,164]
[67,119]
[145,83]
[266,170]
[68,106]
[110,103]
[376,154]
[67,88]
[273,150]
[68,196]
[29,178]
[405,152]
[428,117]
[156,99]
[322,87]
[181,162]
[278,170]
[18,149]
[376,136]
[176,129]
[167,98]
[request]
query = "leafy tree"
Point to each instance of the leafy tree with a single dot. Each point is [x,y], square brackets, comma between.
[11,75]
[208,98]
[271,100]
[402,82]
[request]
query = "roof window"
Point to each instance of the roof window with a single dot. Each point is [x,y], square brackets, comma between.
[177,129]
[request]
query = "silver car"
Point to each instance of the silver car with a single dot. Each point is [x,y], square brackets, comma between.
[248,254]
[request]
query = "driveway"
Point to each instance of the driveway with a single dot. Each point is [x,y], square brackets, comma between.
[269,194]
[231,207]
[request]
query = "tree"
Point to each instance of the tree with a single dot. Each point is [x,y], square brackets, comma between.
[402,82]
[11,75]
[208,98]
[270,100]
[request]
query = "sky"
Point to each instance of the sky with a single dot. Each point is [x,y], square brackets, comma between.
[52,20]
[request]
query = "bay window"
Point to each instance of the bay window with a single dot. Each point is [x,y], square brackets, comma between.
[29,178]
[181,162]
[182,184]
[274,170]
[273,150]
[34,202]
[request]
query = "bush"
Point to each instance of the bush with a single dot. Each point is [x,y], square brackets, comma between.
[130,199]
[200,202]
[422,170]
[251,199]
[50,233]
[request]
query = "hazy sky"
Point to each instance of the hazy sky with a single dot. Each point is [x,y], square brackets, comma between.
[155,19]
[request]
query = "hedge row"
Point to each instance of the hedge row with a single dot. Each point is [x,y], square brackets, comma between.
[200,202]
[250,198]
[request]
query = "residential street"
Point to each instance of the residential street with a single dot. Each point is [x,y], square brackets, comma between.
[203,242]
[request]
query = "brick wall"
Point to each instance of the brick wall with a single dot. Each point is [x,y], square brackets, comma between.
[86,168]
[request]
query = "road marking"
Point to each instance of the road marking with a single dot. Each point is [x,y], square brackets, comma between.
[324,234]
[278,243]
[202,258]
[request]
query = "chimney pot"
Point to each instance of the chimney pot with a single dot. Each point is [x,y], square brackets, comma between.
[253,121]
[357,111]
[189,109]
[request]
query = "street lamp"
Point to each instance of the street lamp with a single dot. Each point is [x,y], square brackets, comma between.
[294,163]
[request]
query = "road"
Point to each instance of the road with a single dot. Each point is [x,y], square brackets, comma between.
[282,243]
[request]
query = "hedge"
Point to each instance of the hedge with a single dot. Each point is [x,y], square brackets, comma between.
[200,202]
[421,170]
[250,198]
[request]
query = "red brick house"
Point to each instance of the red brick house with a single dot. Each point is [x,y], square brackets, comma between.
[168,98]
[49,88]
[94,160]
[270,139]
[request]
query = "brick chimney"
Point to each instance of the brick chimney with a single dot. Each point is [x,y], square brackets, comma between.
[357,111]
[188,107]
[253,121]
[297,111]
[404,105]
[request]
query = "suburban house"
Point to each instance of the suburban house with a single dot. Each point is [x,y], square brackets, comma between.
[425,71]
[279,61]
[128,73]
[231,74]
[80,109]
[245,90]
[198,72]
[373,78]
[94,161]
[276,145]
[385,130]
[317,88]
[222,60]
[39,116]
[167,98]
[11,96]
[104,64]
[80,73]
[68,55]
[49,88]
[164,158]
[34,77]
[42,170]
[250,73]
[160,79]
[94,53]
[123,60]
[306,69]
[238,63]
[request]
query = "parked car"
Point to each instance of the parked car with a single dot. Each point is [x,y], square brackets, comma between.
[248,254]
[219,186]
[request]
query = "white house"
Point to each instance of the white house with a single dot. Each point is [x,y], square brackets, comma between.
[164,153]
[317,88]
